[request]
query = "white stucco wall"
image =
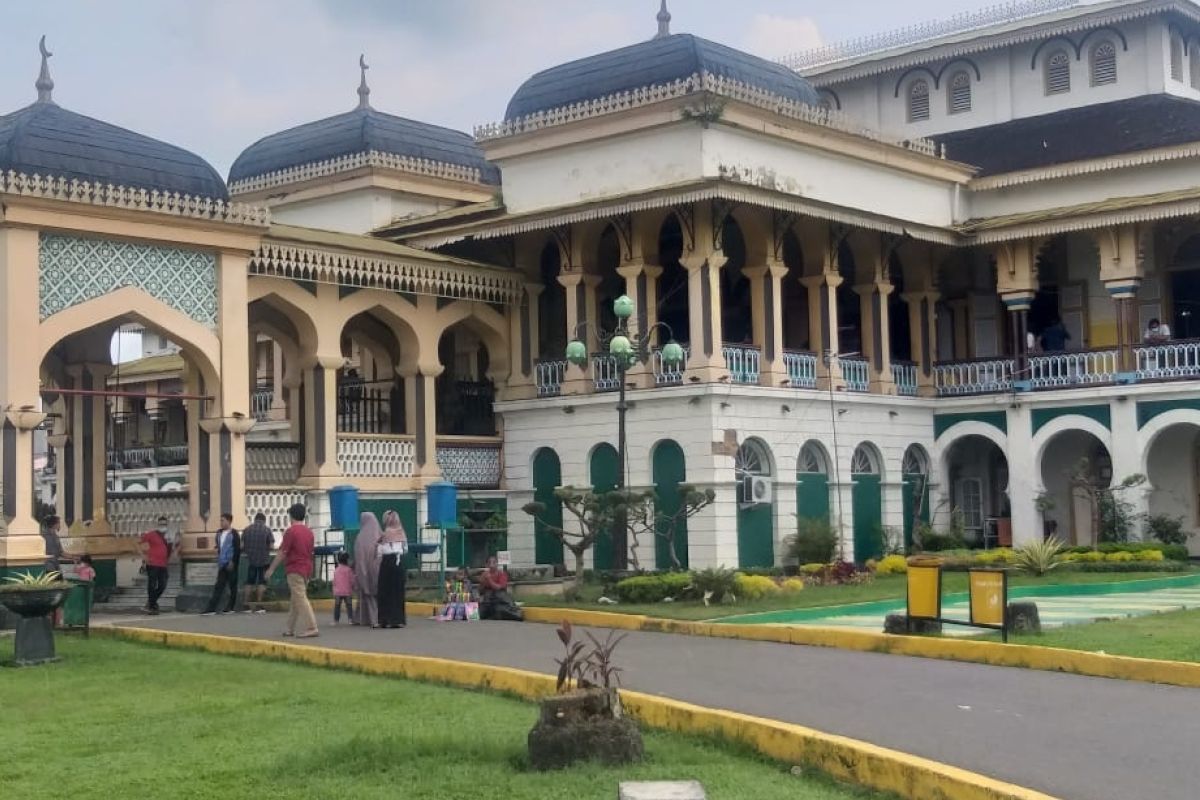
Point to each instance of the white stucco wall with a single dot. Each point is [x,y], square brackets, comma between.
[357,211]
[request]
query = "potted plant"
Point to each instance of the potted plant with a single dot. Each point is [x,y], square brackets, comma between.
[584,720]
[34,598]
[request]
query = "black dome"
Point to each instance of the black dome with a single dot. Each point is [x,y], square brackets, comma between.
[360,131]
[656,62]
[47,140]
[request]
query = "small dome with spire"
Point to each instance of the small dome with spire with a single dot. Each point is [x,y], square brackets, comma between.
[666,58]
[360,131]
[46,139]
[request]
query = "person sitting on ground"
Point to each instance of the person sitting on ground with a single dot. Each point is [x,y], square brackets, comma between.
[1156,332]
[495,601]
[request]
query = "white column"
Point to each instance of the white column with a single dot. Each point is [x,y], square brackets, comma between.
[1024,478]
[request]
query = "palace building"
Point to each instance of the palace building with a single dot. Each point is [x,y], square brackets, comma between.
[912,277]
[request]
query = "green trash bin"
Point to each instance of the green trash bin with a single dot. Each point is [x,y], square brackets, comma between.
[77,608]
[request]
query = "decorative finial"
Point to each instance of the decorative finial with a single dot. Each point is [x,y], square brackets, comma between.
[364,91]
[45,84]
[664,21]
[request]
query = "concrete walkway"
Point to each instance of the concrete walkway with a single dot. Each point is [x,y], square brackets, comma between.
[1074,737]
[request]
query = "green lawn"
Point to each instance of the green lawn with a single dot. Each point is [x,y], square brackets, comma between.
[884,587]
[1171,636]
[116,719]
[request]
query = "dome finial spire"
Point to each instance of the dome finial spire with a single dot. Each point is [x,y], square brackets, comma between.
[45,84]
[364,91]
[664,21]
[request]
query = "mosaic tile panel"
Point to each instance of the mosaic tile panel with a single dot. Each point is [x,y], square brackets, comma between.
[73,270]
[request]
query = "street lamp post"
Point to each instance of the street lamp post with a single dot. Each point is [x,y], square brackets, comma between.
[626,353]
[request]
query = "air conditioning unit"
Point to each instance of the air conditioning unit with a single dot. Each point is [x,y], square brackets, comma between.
[756,489]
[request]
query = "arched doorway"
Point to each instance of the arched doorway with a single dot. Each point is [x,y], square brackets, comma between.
[977,474]
[867,502]
[1074,463]
[668,470]
[673,282]
[1173,470]
[547,476]
[465,392]
[605,471]
[755,516]
[812,482]
[552,308]
[914,471]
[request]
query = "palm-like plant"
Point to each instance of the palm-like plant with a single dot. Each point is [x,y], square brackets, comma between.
[1038,558]
[28,582]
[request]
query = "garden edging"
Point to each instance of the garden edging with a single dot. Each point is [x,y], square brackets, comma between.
[848,759]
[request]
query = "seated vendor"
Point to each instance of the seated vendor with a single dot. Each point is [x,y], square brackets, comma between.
[495,601]
[492,579]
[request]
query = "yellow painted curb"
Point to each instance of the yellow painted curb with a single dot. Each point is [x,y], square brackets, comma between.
[1052,659]
[848,759]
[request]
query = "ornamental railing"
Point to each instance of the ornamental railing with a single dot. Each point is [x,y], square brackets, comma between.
[274,505]
[743,363]
[904,375]
[473,463]
[856,373]
[367,456]
[548,376]
[668,374]
[370,407]
[147,456]
[606,377]
[261,400]
[973,377]
[1055,370]
[134,513]
[272,463]
[801,369]
[1179,359]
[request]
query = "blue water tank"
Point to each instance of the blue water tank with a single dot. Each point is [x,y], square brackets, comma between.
[343,507]
[442,497]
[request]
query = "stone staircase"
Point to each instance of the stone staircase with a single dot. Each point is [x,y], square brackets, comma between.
[131,599]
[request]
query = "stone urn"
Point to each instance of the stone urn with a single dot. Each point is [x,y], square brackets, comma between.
[584,724]
[34,641]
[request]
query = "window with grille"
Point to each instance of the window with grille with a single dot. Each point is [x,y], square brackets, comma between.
[960,93]
[918,101]
[1176,59]
[1058,73]
[1104,64]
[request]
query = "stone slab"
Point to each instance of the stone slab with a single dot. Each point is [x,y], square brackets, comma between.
[661,790]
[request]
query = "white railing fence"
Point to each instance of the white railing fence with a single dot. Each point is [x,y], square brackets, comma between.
[1051,370]
[742,362]
[801,369]
[364,456]
[973,377]
[274,505]
[1170,360]
[856,372]
[606,377]
[548,376]
[905,378]
[668,375]
[260,402]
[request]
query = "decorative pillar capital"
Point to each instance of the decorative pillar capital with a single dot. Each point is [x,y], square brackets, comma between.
[24,418]
[1017,301]
[1123,288]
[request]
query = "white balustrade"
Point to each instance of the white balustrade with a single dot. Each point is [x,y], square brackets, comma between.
[549,376]
[1168,360]
[667,374]
[742,363]
[260,402]
[974,377]
[1052,370]
[905,378]
[274,505]
[606,377]
[364,456]
[856,373]
[134,514]
[801,369]
[476,465]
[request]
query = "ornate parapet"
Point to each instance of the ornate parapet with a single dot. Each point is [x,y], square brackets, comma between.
[371,159]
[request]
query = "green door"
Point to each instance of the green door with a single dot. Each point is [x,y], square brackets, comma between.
[812,496]
[669,470]
[756,532]
[605,470]
[916,489]
[547,476]
[867,499]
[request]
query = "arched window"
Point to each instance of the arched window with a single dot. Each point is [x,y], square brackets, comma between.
[915,462]
[752,458]
[812,459]
[918,101]
[1176,59]
[1058,73]
[960,93]
[864,461]
[1103,65]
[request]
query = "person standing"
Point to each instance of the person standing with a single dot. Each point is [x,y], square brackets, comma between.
[343,589]
[229,553]
[1055,337]
[366,568]
[392,574]
[296,556]
[52,545]
[257,541]
[156,554]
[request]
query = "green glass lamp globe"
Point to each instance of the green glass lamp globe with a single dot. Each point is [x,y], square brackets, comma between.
[577,353]
[672,353]
[623,307]
[620,346]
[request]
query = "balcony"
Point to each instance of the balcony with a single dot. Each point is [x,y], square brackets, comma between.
[549,377]
[856,373]
[261,400]
[743,362]
[1168,361]
[904,375]
[801,369]
[148,456]
[979,376]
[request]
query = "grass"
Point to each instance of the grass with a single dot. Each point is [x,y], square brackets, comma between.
[116,719]
[884,587]
[1170,636]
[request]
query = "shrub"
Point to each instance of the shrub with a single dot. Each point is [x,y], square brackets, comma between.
[934,542]
[1130,566]
[1150,555]
[1001,555]
[815,540]
[1122,555]
[792,586]
[653,588]
[813,569]
[1171,552]
[712,585]
[754,587]
[891,565]
[1038,558]
[1168,530]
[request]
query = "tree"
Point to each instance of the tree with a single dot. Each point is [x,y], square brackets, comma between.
[1111,515]
[645,517]
[594,514]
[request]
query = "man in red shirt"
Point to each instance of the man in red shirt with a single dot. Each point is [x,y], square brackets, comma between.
[296,555]
[495,601]
[156,553]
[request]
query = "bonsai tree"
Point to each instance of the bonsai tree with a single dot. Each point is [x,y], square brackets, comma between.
[1112,515]
[593,515]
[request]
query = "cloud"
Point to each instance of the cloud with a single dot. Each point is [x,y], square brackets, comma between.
[774,37]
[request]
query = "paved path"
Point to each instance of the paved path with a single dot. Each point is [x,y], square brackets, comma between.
[1074,737]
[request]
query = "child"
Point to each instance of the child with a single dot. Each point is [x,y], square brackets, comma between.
[84,571]
[343,588]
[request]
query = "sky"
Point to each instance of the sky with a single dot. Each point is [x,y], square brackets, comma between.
[217,75]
